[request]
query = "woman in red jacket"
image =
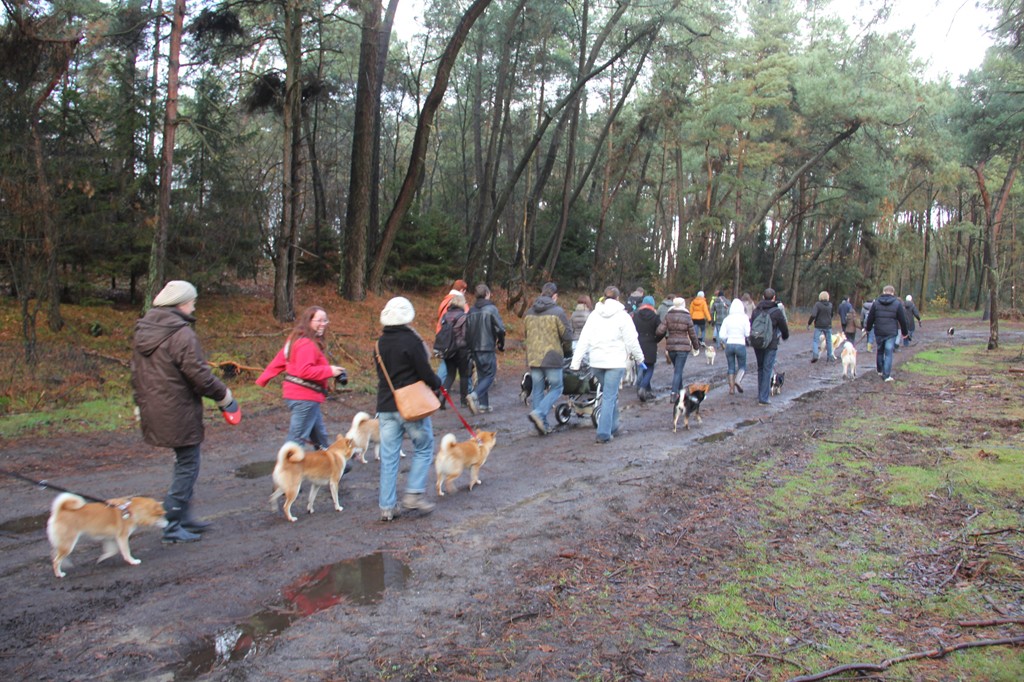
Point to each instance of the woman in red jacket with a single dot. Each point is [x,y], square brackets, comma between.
[306,372]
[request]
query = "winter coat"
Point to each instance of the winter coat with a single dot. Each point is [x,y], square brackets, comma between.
[609,338]
[304,360]
[778,319]
[663,309]
[548,334]
[699,309]
[719,309]
[736,325]
[578,319]
[852,322]
[887,317]
[678,330]
[864,310]
[456,317]
[485,330]
[911,313]
[170,378]
[647,323]
[845,308]
[405,356]
[821,315]
[443,308]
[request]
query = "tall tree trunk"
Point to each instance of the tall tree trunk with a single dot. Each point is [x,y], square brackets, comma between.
[288,231]
[158,253]
[360,190]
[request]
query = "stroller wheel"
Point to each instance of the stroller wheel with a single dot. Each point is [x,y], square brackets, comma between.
[562,413]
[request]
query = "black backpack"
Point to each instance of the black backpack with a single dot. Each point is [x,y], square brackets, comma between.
[762,330]
[451,337]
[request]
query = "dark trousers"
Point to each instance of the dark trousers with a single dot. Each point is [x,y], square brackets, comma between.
[186,471]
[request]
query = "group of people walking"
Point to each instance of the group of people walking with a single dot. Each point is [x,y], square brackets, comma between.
[170,375]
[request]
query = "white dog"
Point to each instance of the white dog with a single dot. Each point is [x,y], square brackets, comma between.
[849,356]
[709,353]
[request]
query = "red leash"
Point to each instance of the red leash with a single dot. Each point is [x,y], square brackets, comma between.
[459,414]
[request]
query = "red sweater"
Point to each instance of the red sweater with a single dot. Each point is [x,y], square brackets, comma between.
[306,362]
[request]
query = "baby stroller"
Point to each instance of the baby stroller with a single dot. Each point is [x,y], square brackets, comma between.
[582,392]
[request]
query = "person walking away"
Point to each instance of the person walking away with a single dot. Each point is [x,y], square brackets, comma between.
[700,314]
[485,335]
[647,323]
[748,304]
[170,377]
[864,310]
[680,338]
[853,323]
[765,356]
[404,357]
[548,343]
[584,306]
[610,339]
[459,288]
[911,313]
[455,357]
[734,332]
[634,300]
[665,306]
[845,308]
[306,373]
[887,318]
[719,310]
[821,318]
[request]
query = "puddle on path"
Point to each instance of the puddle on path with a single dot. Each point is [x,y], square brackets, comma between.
[715,437]
[361,581]
[748,422]
[256,469]
[25,524]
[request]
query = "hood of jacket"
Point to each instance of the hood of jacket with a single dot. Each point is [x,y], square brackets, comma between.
[157,326]
[736,307]
[542,305]
[608,307]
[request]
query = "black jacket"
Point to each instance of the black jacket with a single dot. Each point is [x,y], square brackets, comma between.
[405,355]
[647,322]
[485,331]
[887,317]
[821,316]
[778,320]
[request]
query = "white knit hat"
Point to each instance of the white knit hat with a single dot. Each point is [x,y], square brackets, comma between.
[397,312]
[175,293]
[678,302]
[700,294]
[909,297]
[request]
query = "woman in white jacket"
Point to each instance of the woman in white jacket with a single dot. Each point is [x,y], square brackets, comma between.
[609,338]
[735,330]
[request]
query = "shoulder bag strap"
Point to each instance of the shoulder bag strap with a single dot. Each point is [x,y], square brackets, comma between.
[380,361]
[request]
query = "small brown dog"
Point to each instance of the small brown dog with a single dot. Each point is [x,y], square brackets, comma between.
[364,432]
[452,458]
[320,468]
[113,522]
[689,403]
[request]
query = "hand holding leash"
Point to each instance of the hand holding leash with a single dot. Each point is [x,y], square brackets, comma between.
[229,409]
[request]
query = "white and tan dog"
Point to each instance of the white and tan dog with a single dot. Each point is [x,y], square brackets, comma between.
[709,353]
[837,341]
[71,517]
[364,432]
[849,356]
[320,468]
[452,459]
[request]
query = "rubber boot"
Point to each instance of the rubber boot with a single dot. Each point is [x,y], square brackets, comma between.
[732,384]
[174,532]
[641,394]
[194,525]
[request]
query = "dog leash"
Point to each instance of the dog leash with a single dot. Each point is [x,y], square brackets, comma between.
[459,415]
[44,485]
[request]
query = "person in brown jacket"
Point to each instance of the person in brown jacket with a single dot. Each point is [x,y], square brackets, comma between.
[680,338]
[170,378]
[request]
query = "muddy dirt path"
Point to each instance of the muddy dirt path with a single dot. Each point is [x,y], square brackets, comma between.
[338,595]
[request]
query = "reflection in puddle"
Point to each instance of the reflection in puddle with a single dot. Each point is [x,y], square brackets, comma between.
[361,580]
[715,437]
[256,469]
[25,524]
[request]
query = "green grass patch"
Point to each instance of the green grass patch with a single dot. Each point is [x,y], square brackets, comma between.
[945,362]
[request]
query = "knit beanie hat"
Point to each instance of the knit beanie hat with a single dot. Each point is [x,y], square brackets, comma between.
[700,294]
[648,300]
[678,302]
[398,311]
[175,293]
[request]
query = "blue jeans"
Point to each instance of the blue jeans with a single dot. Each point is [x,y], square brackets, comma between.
[828,343]
[883,355]
[486,368]
[700,327]
[871,336]
[736,357]
[678,358]
[765,367]
[543,400]
[421,433]
[307,424]
[644,380]
[608,420]
[186,471]
[718,339]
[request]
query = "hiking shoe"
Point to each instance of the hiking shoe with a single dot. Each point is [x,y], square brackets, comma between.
[538,423]
[764,402]
[603,440]
[487,409]
[176,534]
[473,403]
[889,379]
[387,515]
[418,502]
[814,360]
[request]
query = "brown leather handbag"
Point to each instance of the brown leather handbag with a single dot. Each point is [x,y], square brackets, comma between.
[415,401]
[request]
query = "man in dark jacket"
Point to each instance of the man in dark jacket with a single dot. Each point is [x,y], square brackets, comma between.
[548,342]
[766,356]
[170,377]
[821,318]
[485,334]
[887,318]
